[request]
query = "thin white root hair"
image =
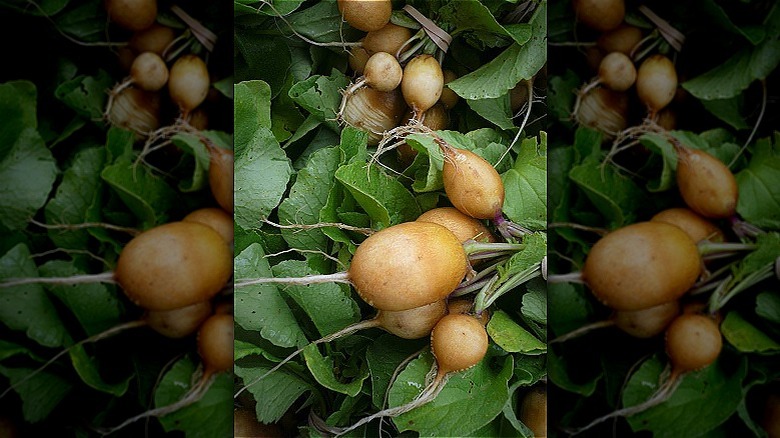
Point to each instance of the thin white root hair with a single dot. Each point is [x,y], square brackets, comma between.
[338,277]
[105,277]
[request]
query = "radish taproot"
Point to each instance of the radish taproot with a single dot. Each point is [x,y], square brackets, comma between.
[642,265]
[706,184]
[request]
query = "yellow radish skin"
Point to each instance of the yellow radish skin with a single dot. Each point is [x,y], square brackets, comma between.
[656,82]
[216,218]
[462,226]
[414,323]
[646,323]
[617,71]
[448,97]
[388,39]
[604,110]
[472,184]
[174,265]
[458,342]
[358,56]
[533,411]
[188,83]
[181,322]
[706,185]
[692,342]
[407,265]
[600,15]
[149,71]
[132,15]
[221,177]
[642,265]
[694,225]
[215,343]
[382,72]
[621,39]
[435,119]
[422,83]
[155,39]
[366,15]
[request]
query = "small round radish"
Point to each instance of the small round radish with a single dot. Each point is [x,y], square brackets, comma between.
[448,97]
[154,39]
[692,342]
[366,15]
[221,177]
[472,184]
[646,323]
[174,265]
[422,83]
[407,265]
[374,111]
[462,226]
[189,82]
[390,38]
[215,343]
[694,225]
[622,39]
[601,15]
[132,15]
[382,72]
[642,265]
[706,184]
[617,71]
[656,82]
[458,342]
[413,323]
[533,411]
[181,322]
[215,218]
[149,71]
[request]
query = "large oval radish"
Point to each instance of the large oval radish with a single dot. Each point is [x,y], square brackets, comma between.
[656,82]
[174,265]
[694,225]
[706,184]
[462,226]
[642,265]
[422,83]
[181,322]
[407,265]
[472,184]
[188,82]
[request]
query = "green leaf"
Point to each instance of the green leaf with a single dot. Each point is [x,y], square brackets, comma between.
[615,196]
[27,308]
[330,307]
[746,337]
[76,194]
[474,397]
[321,96]
[324,372]
[17,112]
[40,394]
[85,22]
[148,196]
[732,77]
[572,307]
[759,187]
[384,355]
[88,370]
[727,110]
[495,110]
[262,171]
[525,185]
[535,305]
[768,306]
[512,65]
[275,393]
[86,94]
[558,370]
[28,172]
[193,145]
[471,15]
[210,416]
[322,23]
[261,307]
[252,108]
[704,400]
[513,338]
[258,51]
[308,196]
[384,198]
